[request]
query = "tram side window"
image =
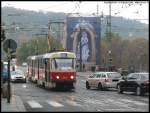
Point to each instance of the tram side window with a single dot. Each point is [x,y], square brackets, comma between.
[35,63]
[41,63]
[53,64]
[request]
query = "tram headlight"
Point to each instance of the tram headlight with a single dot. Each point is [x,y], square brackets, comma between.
[57,77]
[72,77]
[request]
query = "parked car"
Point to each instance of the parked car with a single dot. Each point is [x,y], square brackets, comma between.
[134,82]
[102,80]
[24,64]
[17,76]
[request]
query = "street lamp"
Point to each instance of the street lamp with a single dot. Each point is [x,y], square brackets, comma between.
[110,60]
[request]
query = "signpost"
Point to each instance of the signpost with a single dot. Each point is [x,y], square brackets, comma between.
[9,47]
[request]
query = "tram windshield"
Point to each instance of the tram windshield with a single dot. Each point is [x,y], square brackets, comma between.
[63,64]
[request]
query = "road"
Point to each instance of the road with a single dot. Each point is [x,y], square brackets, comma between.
[36,98]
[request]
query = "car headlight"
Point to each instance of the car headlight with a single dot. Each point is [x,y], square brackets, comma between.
[24,77]
[12,77]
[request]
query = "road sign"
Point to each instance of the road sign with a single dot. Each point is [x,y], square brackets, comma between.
[11,44]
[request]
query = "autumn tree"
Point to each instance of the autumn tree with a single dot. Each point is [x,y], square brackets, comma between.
[35,47]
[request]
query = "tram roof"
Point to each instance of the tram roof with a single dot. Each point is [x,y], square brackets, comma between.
[59,54]
[31,57]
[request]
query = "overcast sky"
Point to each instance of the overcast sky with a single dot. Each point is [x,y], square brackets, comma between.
[139,11]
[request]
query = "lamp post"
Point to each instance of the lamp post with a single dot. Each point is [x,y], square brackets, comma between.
[37,52]
[110,60]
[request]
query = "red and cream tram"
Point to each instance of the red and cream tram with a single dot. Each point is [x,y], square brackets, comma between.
[54,69]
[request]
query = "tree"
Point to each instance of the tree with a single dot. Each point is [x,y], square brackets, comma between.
[34,47]
[126,53]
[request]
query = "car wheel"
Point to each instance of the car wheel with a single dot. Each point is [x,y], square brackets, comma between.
[100,86]
[119,89]
[138,91]
[87,85]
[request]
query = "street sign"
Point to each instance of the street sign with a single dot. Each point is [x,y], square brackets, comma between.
[11,44]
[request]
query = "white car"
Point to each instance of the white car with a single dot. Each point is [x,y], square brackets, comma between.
[17,76]
[102,80]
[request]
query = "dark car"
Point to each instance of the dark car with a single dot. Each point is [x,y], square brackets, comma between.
[134,82]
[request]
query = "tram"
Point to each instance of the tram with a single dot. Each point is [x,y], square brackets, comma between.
[53,70]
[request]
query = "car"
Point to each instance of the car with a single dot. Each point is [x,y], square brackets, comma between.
[134,82]
[18,76]
[24,64]
[103,80]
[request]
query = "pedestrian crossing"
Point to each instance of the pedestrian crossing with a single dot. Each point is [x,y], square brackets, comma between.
[34,104]
[52,103]
[108,104]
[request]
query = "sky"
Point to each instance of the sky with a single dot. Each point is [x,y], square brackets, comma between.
[131,10]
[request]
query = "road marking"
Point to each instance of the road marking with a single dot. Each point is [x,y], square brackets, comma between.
[54,103]
[24,86]
[34,104]
[73,103]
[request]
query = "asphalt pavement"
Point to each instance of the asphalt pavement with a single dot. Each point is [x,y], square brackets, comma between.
[31,98]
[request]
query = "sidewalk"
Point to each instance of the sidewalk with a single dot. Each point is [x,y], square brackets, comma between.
[15,104]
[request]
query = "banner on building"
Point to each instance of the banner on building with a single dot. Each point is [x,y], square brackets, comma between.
[83,38]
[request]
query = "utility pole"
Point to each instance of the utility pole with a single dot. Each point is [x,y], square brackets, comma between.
[98,39]
[9,57]
[49,38]
[110,38]
[56,22]
[80,50]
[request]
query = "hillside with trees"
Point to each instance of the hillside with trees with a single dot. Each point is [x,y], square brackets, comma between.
[129,38]
[29,23]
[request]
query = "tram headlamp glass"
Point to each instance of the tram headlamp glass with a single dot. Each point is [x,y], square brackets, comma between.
[72,77]
[57,77]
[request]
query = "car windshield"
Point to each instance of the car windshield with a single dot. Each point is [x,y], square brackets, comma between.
[17,72]
[145,76]
[114,75]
